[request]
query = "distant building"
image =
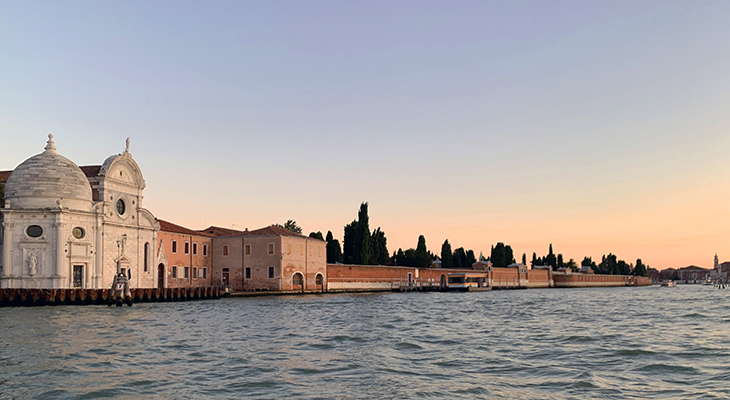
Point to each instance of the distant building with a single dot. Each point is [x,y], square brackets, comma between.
[267,259]
[693,274]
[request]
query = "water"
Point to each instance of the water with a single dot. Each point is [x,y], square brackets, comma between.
[608,343]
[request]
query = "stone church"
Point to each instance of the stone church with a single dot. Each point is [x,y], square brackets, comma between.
[65,226]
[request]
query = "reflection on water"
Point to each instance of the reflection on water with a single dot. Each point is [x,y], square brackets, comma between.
[539,344]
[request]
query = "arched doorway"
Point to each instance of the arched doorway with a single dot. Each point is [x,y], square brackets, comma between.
[161,276]
[297,282]
[319,282]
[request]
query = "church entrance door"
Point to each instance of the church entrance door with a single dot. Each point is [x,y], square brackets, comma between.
[78,276]
[161,276]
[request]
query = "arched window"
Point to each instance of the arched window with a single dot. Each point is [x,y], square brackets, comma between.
[319,280]
[298,279]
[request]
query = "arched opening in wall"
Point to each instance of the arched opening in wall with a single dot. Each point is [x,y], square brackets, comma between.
[161,276]
[319,282]
[443,282]
[146,256]
[297,282]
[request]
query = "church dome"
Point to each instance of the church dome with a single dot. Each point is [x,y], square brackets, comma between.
[47,180]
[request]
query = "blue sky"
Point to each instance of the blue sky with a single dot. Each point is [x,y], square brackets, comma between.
[596,126]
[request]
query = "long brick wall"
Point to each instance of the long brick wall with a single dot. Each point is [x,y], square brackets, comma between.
[377,277]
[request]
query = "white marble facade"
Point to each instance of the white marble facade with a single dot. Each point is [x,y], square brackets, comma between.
[61,226]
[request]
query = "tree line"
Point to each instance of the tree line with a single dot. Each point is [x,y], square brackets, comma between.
[363,247]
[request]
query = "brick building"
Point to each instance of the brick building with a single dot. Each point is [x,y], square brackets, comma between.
[267,259]
[184,258]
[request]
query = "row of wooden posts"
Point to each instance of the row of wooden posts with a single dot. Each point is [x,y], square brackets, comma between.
[53,297]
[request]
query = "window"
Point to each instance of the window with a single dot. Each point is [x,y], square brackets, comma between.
[121,207]
[319,280]
[297,280]
[248,272]
[187,247]
[195,272]
[225,250]
[248,249]
[205,273]
[271,248]
[78,232]
[205,250]
[34,231]
[187,272]
[195,249]
[174,271]
[146,256]
[301,249]
[271,272]
[174,246]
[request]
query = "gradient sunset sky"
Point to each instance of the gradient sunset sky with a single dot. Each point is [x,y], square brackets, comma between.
[595,126]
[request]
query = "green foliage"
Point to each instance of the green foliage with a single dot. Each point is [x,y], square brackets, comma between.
[419,257]
[291,225]
[640,269]
[524,258]
[334,251]
[502,255]
[447,257]
[316,235]
[534,260]
[470,259]
[379,248]
[362,247]
[459,258]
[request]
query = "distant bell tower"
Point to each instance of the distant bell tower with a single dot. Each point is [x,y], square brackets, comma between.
[717,262]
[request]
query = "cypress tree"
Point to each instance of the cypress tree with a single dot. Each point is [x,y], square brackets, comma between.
[334,251]
[447,257]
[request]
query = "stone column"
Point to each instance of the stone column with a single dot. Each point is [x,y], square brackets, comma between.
[7,246]
[98,256]
[61,268]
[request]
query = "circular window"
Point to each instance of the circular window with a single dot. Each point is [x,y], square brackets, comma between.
[121,207]
[34,231]
[78,233]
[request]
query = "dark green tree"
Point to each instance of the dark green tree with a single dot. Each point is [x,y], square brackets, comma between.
[447,256]
[348,246]
[524,259]
[560,261]
[334,251]
[316,235]
[640,269]
[459,258]
[380,248]
[291,225]
[470,259]
[498,256]
[424,256]
[534,260]
[550,259]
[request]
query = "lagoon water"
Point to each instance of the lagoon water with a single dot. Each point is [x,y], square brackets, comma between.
[608,343]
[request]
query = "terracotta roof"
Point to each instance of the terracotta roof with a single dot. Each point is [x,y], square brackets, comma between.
[693,268]
[218,231]
[4,175]
[170,227]
[91,170]
[267,231]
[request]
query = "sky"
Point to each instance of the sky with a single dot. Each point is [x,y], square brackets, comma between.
[598,127]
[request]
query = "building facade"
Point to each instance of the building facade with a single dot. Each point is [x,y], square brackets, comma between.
[268,259]
[68,227]
[183,258]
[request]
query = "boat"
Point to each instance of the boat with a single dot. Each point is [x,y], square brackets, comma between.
[668,284]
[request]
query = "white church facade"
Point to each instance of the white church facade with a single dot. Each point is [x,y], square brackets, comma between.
[66,227]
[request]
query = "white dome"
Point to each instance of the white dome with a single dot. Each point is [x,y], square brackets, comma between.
[44,179]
